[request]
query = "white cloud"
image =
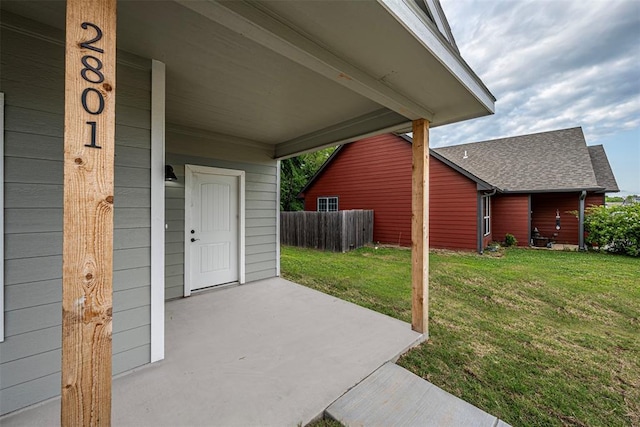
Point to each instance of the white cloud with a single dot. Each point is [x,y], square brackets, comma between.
[550,64]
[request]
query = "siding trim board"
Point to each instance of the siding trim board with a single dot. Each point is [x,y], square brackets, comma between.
[2,217]
[157,209]
[278,218]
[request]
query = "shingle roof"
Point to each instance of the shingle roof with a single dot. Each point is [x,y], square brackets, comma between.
[602,168]
[547,161]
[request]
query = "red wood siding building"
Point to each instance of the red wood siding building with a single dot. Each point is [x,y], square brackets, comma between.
[511,214]
[375,173]
[453,208]
[355,175]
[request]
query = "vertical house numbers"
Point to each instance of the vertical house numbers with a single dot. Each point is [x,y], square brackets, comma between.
[92,98]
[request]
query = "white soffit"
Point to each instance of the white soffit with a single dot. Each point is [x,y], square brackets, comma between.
[253,23]
[295,76]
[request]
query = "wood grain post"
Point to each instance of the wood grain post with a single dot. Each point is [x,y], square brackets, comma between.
[420,228]
[89,139]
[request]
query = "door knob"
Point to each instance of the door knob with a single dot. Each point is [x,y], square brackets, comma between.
[193,240]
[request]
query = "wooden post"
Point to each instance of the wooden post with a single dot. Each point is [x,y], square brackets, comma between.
[89,138]
[420,228]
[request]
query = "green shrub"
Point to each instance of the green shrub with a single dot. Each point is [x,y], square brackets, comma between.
[616,228]
[510,240]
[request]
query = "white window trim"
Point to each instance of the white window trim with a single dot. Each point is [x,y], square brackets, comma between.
[327,200]
[2,216]
[157,208]
[188,179]
[486,215]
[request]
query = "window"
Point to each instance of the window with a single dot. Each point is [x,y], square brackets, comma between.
[486,214]
[327,204]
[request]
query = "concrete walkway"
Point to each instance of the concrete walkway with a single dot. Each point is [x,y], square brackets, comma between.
[393,396]
[269,353]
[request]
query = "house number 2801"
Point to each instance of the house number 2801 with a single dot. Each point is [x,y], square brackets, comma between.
[91,73]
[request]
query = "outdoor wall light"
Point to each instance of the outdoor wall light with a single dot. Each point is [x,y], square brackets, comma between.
[169,174]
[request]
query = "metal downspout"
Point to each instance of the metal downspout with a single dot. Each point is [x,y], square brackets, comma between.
[583,196]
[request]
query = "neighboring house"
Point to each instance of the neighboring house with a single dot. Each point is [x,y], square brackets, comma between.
[478,192]
[222,91]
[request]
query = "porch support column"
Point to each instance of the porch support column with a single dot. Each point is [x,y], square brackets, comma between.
[87,262]
[420,228]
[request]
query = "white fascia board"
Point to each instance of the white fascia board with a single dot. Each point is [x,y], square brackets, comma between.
[441,20]
[409,15]
[157,208]
[253,23]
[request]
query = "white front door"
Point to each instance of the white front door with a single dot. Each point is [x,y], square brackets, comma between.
[212,228]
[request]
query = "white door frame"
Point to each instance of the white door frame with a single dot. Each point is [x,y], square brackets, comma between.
[190,170]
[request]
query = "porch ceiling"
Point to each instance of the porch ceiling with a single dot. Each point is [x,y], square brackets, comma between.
[294,75]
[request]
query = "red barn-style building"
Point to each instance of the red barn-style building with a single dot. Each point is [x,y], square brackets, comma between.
[478,192]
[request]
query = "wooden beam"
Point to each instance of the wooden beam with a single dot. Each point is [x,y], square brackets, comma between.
[420,228]
[374,123]
[89,138]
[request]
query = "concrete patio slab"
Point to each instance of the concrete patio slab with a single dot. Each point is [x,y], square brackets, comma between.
[267,353]
[393,396]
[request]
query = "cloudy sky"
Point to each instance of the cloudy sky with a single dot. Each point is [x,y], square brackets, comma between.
[553,65]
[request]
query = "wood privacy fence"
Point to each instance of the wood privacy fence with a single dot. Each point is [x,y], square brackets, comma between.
[332,231]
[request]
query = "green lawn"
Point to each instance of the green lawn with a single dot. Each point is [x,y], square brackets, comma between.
[533,337]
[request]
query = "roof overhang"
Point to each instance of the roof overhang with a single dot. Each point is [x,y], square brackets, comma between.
[295,76]
[555,190]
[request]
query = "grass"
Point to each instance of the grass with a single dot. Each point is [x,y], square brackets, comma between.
[533,337]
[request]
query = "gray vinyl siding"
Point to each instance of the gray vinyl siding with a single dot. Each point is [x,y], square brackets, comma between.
[32,79]
[260,213]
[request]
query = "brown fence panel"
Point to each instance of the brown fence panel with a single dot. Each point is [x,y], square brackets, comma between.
[331,231]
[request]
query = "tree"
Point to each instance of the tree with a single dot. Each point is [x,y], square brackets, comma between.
[294,175]
[616,229]
[614,199]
